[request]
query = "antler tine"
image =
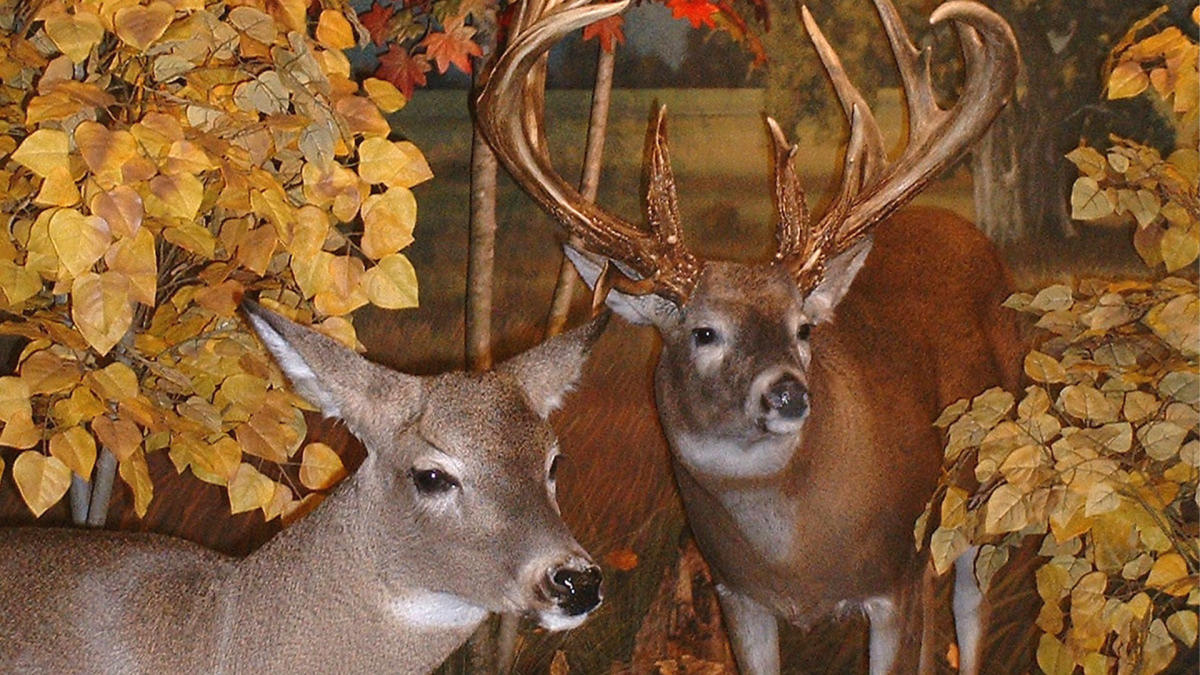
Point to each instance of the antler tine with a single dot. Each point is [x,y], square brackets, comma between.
[792,209]
[870,192]
[662,204]
[848,95]
[509,112]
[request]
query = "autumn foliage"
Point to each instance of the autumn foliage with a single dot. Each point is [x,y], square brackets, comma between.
[1099,457]
[160,161]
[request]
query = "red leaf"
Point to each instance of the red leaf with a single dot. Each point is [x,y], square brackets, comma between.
[375,20]
[697,12]
[406,71]
[454,46]
[608,31]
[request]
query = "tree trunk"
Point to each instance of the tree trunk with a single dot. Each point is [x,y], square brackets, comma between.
[589,184]
[481,255]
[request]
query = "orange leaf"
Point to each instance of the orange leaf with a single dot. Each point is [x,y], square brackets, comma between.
[621,560]
[134,258]
[321,467]
[76,34]
[120,437]
[334,31]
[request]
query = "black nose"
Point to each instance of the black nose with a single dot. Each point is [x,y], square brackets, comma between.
[576,591]
[787,396]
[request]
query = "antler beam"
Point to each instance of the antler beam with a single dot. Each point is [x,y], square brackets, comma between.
[509,110]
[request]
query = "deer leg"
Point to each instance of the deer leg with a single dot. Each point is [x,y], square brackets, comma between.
[968,602]
[885,633]
[753,633]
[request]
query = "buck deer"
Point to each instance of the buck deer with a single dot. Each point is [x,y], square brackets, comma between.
[452,515]
[798,395]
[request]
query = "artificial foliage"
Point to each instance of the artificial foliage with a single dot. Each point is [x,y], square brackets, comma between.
[159,161]
[1099,457]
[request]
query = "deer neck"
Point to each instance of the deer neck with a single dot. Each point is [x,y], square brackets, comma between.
[318,595]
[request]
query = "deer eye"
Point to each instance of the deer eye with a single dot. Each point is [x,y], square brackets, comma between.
[552,474]
[432,481]
[704,336]
[803,331]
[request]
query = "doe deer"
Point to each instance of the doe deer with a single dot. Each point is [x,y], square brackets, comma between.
[798,395]
[452,515]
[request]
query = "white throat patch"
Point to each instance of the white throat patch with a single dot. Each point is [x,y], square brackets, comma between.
[432,610]
[729,459]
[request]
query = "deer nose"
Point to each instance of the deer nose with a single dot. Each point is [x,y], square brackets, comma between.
[786,396]
[576,591]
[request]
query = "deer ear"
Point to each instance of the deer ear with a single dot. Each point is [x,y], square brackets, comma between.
[639,310]
[547,372]
[333,377]
[840,272]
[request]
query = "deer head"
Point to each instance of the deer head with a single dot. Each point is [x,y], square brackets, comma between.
[737,339]
[459,479]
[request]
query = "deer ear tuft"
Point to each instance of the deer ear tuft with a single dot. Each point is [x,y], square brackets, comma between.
[549,371]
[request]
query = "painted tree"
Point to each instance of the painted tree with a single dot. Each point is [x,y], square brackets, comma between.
[159,162]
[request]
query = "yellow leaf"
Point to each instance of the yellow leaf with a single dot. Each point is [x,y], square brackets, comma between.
[106,153]
[1177,322]
[361,116]
[20,431]
[308,233]
[14,397]
[1086,403]
[1160,439]
[1053,657]
[120,437]
[43,151]
[254,23]
[116,382]
[81,406]
[1139,406]
[1127,80]
[1182,625]
[186,157]
[136,473]
[301,507]
[1159,649]
[989,561]
[18,283]
[121,208]
[58,189]
[345,292]
[256,248]
[79,240]
[217,462]
[75,35]
[1180,247]
[1044,368]
[392,283]
[140,27]
[281,500]
[1170,573]
[388,221]
[321,467]
[249,489]
[101,309]
[334,31]
[192,237]
[1088,200]
[945,546]
[76,448]
[338,328]
[177,196]
[384,94]
[394,164]
[1007,510]
[135,259]
[41,480]
[1088,160]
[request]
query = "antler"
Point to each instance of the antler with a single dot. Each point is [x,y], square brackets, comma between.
[872,188]
[509,110]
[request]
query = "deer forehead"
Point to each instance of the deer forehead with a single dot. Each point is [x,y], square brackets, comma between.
[764,286]
[483,417]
